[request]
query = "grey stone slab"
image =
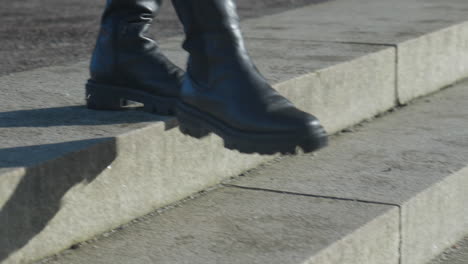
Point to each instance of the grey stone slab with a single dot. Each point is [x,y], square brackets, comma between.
[456,254]
[361,21]
[435,219]
[415,158]
[348,93]
[50,206]
[431,36]
[42,116]
[231,225]
[432,61]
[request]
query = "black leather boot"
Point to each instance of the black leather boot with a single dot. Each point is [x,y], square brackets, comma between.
[224,93]
[127,65]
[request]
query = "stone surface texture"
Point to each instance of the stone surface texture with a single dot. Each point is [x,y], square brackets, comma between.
[432,61]
[430,36]
[414,158]
[455,254]
[231,225]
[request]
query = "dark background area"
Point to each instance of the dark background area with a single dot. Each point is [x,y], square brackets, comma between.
[38,33]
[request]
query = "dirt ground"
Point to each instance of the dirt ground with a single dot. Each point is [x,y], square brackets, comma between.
[38,33]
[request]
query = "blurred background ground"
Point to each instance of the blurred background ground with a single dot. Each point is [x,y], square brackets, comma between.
[38,33]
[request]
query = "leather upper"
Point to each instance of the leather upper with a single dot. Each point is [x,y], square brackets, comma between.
[222,80]
[125,56]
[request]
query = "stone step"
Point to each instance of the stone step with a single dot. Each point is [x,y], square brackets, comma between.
[68,173]
[392,191]
[456,254]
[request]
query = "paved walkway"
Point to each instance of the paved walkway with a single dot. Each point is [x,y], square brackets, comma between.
[43,33]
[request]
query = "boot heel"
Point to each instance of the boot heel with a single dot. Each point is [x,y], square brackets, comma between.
[104,101]
[195,132]
[190,127]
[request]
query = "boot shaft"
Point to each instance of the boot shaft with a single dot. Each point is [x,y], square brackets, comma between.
[207,16]
[124,25]
[213,37]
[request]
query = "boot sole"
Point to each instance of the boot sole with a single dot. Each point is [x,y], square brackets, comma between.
[197,124]
[108,97]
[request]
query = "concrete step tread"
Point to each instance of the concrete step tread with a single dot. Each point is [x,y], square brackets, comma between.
[362,21]
[398,194]
[58,158]
[232,225]
[415,158]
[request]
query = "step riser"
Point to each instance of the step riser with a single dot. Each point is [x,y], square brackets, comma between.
[435,219]
[435,60]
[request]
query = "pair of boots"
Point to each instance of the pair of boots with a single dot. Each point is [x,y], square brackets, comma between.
[222,90]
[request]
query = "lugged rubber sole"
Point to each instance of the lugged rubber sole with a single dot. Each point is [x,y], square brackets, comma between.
[107,97]
[197,124]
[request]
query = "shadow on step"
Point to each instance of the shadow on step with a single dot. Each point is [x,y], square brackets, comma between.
[38,195]
[32,155]
[74,116]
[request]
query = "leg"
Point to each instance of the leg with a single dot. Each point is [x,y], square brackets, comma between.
[224,93]
[127,65]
